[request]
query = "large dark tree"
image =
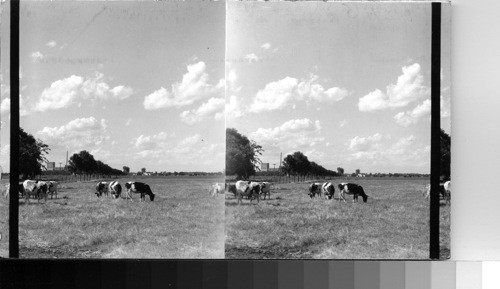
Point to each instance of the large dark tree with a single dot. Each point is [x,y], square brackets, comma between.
[31,154]
[242,155]
[297,163]
[126,170]
[83,162]
[445,155]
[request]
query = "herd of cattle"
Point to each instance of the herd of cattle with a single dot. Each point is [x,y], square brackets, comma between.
[257,190]
[40,189]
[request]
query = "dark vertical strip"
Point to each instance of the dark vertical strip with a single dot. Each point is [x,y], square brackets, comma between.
[215,274]
[316,274]
[341,275]
[164,274]
[290,274]
[435,129]
[14,131]
[190,274]
[88,274]
[240,275]
[138,274]
[62,274]
[113,273]
[265,274]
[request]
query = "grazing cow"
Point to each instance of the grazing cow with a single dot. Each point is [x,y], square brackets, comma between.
[231,188]
[216,190]
[101,188]
[247,188]
[7,190]
[352,189]
[34,188]
[444,191]
[52,188]
[265,189]
[314,189]
[139,188]
[115,188]
[328,190]
[447,191]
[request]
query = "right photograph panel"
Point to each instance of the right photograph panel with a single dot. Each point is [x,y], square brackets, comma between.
[328,130]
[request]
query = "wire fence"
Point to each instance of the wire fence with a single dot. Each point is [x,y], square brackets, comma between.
[68,178]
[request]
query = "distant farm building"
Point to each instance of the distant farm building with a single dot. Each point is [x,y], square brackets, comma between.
[264,167]
[51,166]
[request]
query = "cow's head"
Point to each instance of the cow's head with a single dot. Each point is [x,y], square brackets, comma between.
[128,185]
[152,197]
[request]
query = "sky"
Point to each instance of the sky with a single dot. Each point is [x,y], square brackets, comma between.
[347,84]
[141,84]
[136,84]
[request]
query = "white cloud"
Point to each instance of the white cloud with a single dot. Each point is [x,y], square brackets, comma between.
[5,106]
[75,89]
[343,123]
[280,94]
[234,108]
[363,144]
[251,57]
[291,135]
[77,133]
[408,88]
[128,121]
[276,95]
[445,106]
[213,107]
[194,86]
[266,46]
[51,44]
[37,56]
[408,118]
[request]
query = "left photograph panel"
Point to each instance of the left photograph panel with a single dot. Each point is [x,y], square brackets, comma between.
[122,129]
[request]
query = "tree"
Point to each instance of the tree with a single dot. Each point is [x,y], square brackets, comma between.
[143,170]
[31,154]
[340,171]
[126,170]
[242,155]
[83,162]
[297,163]
[445,152]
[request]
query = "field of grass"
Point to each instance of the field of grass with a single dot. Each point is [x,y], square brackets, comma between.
[394,224]
[182,222]
[4,220]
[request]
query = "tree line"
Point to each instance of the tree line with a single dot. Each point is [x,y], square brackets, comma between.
[242,160]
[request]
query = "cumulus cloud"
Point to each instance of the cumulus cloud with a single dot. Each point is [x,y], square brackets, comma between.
[51,44]
[282,93]
[408,88]
[410,117]
[194,86]
[363,144]
[234,108]
[75,89]
[150,142]
[76,133]
[293,134]
[252,57]
[445,106]
[5,106]
[213,107]
[266,45]
[37,56]
[343,123]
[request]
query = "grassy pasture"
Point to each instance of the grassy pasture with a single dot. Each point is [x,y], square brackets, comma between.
[182,222]
[393,224]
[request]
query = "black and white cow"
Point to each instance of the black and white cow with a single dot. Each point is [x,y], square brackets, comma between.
[265,189]
[231,188]
[101,188]
[248,189]
[52,189]
[328,190]
[115,189]
[314,189]
[34,188]
[352,189]
[139,188]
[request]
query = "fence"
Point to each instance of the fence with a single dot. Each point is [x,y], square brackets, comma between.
[75,178]
[287,179]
